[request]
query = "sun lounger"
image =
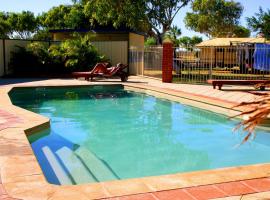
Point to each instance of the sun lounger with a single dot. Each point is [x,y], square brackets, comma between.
[220,83]
[102,70]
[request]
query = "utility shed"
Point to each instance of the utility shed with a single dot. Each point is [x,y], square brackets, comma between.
[113,43]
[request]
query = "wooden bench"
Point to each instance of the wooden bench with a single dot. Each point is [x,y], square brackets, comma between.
[220,83]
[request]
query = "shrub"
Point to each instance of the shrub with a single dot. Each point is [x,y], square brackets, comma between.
[79,54]
[40,51]
[22,61]
[71,55]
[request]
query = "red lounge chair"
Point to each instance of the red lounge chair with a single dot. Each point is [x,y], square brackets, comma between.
[101,69]
[220,83]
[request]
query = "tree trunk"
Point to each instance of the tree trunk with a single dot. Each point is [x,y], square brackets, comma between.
[159,38]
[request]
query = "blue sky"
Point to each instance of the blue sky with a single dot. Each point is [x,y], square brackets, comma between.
[39,6]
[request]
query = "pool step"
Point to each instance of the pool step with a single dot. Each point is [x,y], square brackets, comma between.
[99,168]
[76,168]
[56,167]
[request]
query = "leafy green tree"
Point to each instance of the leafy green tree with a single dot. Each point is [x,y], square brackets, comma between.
[184,41]
[260,22]
[195,40]
[190,42]
[42,34]
[55,18]
[241,31]
[215,18]
[117,13]
[161,14]
[154,16]
[76,18]
[150,41]
[65,17]
[173,35]
[22,25]
[4,26]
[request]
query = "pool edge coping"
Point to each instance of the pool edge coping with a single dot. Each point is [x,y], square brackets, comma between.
[20,186]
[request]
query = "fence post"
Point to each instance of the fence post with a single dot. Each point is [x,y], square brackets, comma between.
[4,56]
[167,61]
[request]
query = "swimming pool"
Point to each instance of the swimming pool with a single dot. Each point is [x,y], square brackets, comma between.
[103,133]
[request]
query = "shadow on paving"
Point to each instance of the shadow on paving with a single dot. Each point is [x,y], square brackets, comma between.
[9,81]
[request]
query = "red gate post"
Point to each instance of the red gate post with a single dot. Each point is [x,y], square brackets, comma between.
[167,61]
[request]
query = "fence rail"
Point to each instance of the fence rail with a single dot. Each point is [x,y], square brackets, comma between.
[146,61]
[153,61]
[196,65]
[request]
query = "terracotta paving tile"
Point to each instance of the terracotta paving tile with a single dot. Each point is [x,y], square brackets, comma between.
[4,197]
[235,188]
[257,196]
[2,190]
[146,196]
[173,195]
[205,192]
[2,127]
[259,185]
[9,198]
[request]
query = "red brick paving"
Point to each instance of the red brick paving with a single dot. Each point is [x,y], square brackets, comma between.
[236,188]
[259,185]
[205,192]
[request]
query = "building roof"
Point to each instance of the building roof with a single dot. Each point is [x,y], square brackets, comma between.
[97,29]
[230,41]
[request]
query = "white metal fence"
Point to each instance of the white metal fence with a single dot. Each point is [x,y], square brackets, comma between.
[153,61]
[242,61]
[146,61]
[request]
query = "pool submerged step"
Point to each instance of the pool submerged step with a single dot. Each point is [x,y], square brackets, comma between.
[98,168]
[56,167]
[76,168]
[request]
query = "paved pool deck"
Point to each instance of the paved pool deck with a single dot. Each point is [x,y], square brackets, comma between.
[22,178]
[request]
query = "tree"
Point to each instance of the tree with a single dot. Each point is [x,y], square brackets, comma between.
[189,42]
[22,25]
[160,15]
[153,16]
[76,18]
[241,31]
[215,18]
[42,34]
[150,41]
[127,13]
[4,26]
[260,22]
[195,40]
[173,35]
[65,17]
[55,17]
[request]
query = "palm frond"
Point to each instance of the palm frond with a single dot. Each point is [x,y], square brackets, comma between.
[254,113]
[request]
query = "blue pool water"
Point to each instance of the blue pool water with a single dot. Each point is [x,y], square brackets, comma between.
[105,133]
